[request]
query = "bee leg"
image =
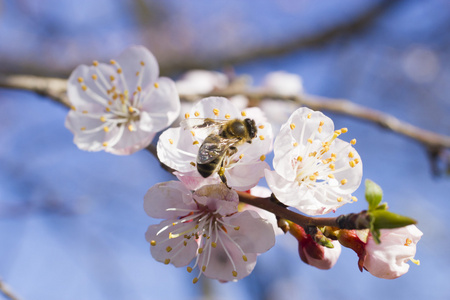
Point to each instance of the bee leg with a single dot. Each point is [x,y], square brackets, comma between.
[222,176]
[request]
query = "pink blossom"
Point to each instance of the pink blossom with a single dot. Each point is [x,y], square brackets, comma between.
[315,171]
[205,226]
[119,107]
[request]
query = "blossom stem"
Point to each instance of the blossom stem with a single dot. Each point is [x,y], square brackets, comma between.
[350,221]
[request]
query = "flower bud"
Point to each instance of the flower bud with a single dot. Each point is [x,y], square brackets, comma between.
[311,252]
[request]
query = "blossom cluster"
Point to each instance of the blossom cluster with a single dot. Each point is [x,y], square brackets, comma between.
[219,150]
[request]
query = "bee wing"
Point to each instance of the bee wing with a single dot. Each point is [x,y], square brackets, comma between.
[203,126]
[213,147]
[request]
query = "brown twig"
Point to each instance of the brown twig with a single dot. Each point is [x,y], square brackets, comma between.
[6,291]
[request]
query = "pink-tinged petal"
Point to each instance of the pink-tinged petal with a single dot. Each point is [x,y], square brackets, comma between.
[130,62]
[329,259]
[161,106]
[215,108]
[162,200]
[176,150]
[244,176]
[389,259]
[131,142]
[254,234]
[218,198]
[193,180]
[177,251]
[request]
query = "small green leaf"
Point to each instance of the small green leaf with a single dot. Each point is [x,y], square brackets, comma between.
[383,219]
[374,194]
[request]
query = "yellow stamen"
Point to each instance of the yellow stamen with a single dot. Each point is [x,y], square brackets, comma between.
[262,157]
[189,269]
[103,119]
[197,114]
[203,268]
[352,163]
[321,123]
[216,111]
[244,257]
[213,244]
[156,85]
[95,63]
[195,280]
[130,127]
[343,181]
[83,87]
[234,273]
[142,63]
[319,129]
[167,261]
[153,243]
[350,154]
[112,78]
[241,156]
[332,166]
[312,178]
[94,76]
[227,116]
[353,141]
[339,199]
[200,250]
[310,141]
[186,115]
[195,143]
[171,141]
[344,130]
[408,242]
[299,158]
[73,108]
[261,126]
[80,79]
[83,128]
[309,116]
[168,249]
[331,176]
[108,109]
[243,113]
[354,198]
[130,109]
[105,144]
[415,261]
[261,137]
[292,126]
[139,88]
[295,144]
[112,61]
[192,163]
[237,227]
[106,129]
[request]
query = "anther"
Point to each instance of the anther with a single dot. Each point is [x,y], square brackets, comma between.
[84,111]
[130,127]
[108,109]
[333,155]
[80,79]
[167,261]
[352,163]
[310,141]
[196,114]
[241,156]
[195,280]
[356,160]
[330,176]
[353,141]
[338,132]
[192,163]
[73,108]
[321,123]
[195,143]
[83,87]
[193,133]
[142,63]
[344,130]
[200,250]
[261,137]
[83,128]
[332,166]
[339,199]
[292,126]
[237,227]
[95,63]
[261,126]
[156,85]
[295,144]
[244,257]
[106,129]
[319,129]
[262,157]
[203,268]
[103,119]
[112,61]
[216,111]
[350,154]
[234,273]
[243,113]
[227,116]
[94,76]
[354,198]
[139,88]
[130,109]
[153,243]
[312,178]
[299,158]
[309,116]
[408,242]
[189,269]
[168,249]
[186,115]
[105,144]
[213,244]
[171,141]
[112,78]
[343,181]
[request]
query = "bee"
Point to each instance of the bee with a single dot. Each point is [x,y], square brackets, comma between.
[224,136]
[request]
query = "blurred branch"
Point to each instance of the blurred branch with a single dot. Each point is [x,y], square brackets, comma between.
[55,88]
[355,25]
[6,291]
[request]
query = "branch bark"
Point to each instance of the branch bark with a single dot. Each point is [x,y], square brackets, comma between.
[6,291]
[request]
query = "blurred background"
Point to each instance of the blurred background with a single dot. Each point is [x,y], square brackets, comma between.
[71,222]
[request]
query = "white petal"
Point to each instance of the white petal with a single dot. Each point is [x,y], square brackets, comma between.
[160,107]
[218,198]
[205,108]
[330,258]
[243,177]
[193,180]
[283,83]
[176,149]
[130,62]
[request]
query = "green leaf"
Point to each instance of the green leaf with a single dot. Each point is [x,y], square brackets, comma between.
[383,219]
[374,194]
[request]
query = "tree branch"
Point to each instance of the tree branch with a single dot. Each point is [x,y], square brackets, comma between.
[6,291]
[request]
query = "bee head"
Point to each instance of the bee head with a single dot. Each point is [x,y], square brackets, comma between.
[251,127]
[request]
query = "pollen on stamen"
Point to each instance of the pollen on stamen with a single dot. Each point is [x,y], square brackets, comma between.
[84,111]
[200,250]
[216,111]
[195,280]
[244,257]
[106,128]
[137,73]
[95,63]
[261,126]
[171,141]
[94,76]
[295,144]
[105,144]
[319,129]
[343,181]
[139,88]
[415,261]
[196,114]
[73,108]
[130,109]
[103,119]
[408,242]
[112,61]
[153,243]
[262,157]
[227,116]
[344,130]
[130,127]
[237,227]
[168,249]
[195,143]
[192,163]
[241,156]
[332,166]
[309,116]
[234,273]
[352,163]
[243,113]
[261,137]
[356,160]
[84,87]
[333,155]
[107,109]
[312,178]
[193,133]
[167,261]
[112,78]
[330,176]
[186,115]
[80,79]
[350,154]
[353,141]
[321,123]
[203,268]
[354,199]
[156,85]
[83,128]
[310,141]
[189,269]
[292,126]
[213,244]
[340,199]
[299,158]
[338,132]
